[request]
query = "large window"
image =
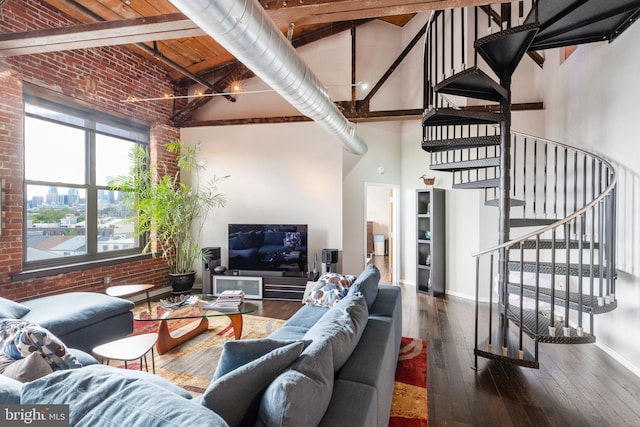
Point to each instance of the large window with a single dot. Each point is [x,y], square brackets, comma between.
[71,215]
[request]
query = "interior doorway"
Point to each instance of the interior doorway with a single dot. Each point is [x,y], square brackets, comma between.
[382,229]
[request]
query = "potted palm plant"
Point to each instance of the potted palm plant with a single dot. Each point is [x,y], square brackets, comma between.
[170,211]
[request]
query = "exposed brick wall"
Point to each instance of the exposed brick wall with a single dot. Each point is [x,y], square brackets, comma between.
[100,78]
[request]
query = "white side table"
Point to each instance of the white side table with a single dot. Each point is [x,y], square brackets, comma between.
[127,290]
[130,348]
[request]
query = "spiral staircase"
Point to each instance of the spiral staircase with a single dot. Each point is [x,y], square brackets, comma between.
[553,268]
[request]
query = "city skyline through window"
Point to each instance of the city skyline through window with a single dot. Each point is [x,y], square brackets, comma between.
[70,210]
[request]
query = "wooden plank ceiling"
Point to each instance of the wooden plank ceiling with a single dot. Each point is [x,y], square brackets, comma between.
[158,31]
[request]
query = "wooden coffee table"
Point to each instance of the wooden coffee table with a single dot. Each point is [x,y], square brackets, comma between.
[167,340]
[130,348]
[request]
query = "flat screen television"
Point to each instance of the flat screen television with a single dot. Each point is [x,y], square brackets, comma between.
[268,247]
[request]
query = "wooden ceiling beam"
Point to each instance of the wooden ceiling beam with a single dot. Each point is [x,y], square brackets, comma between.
[349,10]
[172,26]
[106,33]
[358,116]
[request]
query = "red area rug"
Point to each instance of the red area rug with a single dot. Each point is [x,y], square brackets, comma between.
[409,406]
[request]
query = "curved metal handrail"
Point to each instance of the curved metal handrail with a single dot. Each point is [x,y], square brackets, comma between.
[570,217]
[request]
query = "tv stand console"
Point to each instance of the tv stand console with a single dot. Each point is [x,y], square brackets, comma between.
[275,285]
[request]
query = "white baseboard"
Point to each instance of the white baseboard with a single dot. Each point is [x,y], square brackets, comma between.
[620,359]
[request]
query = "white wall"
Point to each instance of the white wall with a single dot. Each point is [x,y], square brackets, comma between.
[383,140]
[592,102]
[377,208]
[287,173]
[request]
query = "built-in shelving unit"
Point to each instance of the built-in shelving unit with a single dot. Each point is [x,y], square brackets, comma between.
[430,241]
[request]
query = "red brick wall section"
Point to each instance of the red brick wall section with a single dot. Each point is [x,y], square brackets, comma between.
[101,78]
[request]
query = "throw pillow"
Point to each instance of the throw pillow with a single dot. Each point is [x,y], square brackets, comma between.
[329,289]
[12,310]
[367,283]
[19,338]
[239,353]
[236,395]
[28,369]
[343,325]
[300,396]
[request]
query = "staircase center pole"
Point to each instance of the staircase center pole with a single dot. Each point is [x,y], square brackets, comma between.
[504,203]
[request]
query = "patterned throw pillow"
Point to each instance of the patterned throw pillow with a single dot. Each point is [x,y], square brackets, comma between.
[329,289]
[20,338]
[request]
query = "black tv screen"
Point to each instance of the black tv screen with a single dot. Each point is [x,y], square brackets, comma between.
[268,247]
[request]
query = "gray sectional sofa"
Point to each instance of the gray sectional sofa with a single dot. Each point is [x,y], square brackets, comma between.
[326,366]
[82,320]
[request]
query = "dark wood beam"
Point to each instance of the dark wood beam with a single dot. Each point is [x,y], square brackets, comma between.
[105,33]
[347,10]
[358,116]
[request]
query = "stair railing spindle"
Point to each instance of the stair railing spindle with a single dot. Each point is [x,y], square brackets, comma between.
[521,313]
[580,221]
[537,303]
[475,35]
[490,302]
[584,185]
[567,277]
[524,176]
[575,189]
[452,26]
[612,259]
[535,176]
[553,280]
[462,38]
[476,322]
[565,183]
[546,162]
[444,49]
[555,181]
[514,168]
[601,249]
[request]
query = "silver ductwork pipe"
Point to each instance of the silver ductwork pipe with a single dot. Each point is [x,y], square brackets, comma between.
[244,29]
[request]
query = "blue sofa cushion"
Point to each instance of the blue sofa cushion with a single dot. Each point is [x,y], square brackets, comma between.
[235,395]
[300,395]
[12,310]
[139,375]
[367,283]
[69,312]
[85,359]
[97,397]
[343,325]
[10,390]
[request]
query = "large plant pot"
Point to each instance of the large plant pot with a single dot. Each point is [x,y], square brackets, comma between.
[182,283]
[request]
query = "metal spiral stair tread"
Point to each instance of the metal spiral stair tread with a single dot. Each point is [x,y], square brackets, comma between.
[438,145]
[472,83]
[528,327]
[577,302]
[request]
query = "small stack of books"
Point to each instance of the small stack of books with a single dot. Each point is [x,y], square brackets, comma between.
[229,300]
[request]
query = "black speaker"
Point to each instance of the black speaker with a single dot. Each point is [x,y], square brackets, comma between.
[210,260]
[329,256]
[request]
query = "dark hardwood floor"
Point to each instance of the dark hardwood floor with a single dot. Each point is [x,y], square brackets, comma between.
[577,385]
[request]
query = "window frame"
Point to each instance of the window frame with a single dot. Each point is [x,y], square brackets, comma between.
[92,122]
